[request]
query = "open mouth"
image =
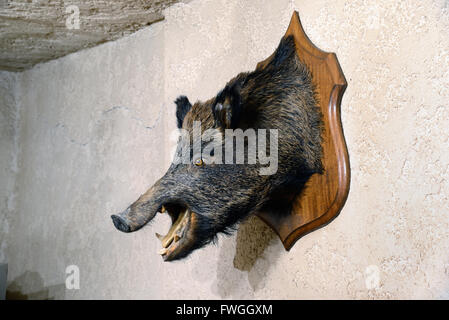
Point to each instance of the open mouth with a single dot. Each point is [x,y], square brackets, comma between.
[177,238]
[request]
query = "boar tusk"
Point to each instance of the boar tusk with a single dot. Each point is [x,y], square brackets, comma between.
[163,209]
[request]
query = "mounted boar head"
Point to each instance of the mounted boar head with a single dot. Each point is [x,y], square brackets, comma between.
[215,181]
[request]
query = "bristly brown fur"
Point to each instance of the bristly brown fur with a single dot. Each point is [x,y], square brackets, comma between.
[279,96]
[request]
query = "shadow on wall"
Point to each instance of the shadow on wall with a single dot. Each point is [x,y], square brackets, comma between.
[37,290]
[253,238]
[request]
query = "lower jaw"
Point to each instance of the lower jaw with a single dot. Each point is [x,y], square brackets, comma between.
[177,235]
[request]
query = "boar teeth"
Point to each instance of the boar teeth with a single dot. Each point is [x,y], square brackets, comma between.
[176,231]
[167,242]
[159,236]
[163,209]
[163,251]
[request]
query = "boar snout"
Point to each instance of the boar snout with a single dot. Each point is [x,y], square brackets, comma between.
[133,218]
[120,223]
[140,212]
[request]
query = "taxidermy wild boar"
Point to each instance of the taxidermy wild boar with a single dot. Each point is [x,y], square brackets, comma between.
[204,198]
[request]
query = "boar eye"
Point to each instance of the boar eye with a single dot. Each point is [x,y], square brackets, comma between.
[199,162]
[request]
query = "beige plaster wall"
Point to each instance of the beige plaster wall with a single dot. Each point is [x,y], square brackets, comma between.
[9,123]
[95,130]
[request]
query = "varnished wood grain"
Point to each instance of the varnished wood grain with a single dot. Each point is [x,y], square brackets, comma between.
[325,194]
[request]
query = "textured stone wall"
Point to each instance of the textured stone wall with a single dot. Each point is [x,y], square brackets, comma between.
[95,133]
[42,30]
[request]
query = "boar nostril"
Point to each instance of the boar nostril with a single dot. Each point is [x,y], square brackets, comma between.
[120,223]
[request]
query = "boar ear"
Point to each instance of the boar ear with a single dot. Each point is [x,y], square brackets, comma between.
[182,107]
[227,107]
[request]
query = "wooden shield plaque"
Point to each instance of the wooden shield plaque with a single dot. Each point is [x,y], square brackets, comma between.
[324,194]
